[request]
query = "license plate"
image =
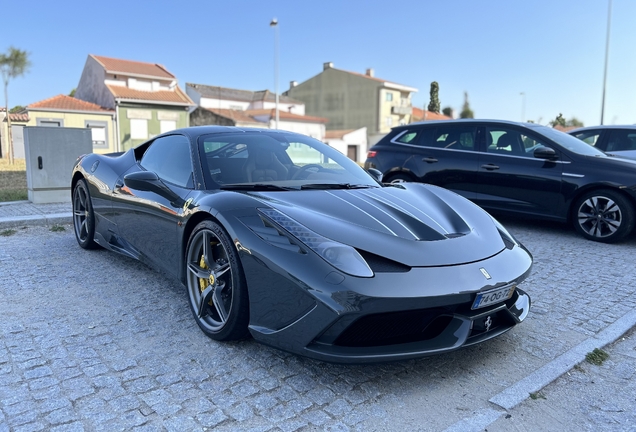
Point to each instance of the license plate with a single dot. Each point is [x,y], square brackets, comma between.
[493,296]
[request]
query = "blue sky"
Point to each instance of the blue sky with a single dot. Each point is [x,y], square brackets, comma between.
[553,51]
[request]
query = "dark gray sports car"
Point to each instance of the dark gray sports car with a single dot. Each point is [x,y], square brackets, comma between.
[282,237]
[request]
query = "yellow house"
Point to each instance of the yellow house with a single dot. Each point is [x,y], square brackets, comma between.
[67,111]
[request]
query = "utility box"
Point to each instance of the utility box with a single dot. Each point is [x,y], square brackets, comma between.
[50,154]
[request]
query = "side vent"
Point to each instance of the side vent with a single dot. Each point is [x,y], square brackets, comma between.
[274,237]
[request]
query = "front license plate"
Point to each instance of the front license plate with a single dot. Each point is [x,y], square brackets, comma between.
[494,296]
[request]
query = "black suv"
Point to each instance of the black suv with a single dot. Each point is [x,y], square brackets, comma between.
[518,168]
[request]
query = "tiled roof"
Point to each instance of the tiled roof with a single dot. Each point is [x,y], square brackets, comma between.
[284,115]
[225,93]
[176,96]
[337,134]
[114,66]
[419,114]
[236,115]
[21,117]
[66,103]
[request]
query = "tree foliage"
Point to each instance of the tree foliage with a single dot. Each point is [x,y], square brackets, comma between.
[466,111]
[574,122]
[448,111]
[16,109]
[558,121]
[13,63]
[434,105]
[72,93]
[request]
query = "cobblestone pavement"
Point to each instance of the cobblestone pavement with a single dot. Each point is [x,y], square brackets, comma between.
[90,340]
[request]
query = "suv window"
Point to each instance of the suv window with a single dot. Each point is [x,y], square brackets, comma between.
[590,137]
[169,158]
[453,137]
[621,140]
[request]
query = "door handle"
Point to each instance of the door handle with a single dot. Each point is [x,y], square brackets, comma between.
[429,160]
[490,167]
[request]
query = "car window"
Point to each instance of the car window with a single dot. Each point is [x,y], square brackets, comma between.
[507,141]
[409,137]
[590,137]
[621,140]
[452,137]
[169,158]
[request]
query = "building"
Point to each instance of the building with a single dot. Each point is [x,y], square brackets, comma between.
[351,142]
[244,108]
[352,101]
[146,97]
[18,121]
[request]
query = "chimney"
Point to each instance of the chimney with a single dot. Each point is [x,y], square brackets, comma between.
[370,72]
[293,84]
[327,65]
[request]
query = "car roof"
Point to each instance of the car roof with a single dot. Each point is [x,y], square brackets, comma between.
[467,121]
[196,131]
[586,128]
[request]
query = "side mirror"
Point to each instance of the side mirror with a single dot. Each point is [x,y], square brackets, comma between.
[376,174]
[545,153]
[148,181]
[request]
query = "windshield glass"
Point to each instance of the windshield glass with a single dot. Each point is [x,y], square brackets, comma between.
[276,161]
[569,142]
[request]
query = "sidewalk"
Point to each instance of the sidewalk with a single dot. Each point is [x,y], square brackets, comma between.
[22,213]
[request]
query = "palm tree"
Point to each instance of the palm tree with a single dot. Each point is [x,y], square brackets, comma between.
[13,64]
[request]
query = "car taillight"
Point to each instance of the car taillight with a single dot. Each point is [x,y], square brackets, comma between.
[371,154]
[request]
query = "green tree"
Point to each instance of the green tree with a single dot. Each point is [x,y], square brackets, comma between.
[433,105]
[574,122]
[448,111]
[72,93]
[13,63]
[558,121]
[16,109]
[466,111]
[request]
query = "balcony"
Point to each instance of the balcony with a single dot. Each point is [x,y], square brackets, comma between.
[401,110]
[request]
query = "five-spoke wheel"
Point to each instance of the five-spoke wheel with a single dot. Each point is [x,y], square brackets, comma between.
[216,284]
[83,216]
[604,216]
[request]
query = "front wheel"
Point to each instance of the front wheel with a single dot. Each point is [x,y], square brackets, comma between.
[603,216]
[216,284]
[83,216]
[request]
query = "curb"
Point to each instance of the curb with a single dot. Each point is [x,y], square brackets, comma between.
[36,220]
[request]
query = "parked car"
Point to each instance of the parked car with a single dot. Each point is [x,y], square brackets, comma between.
[614,139]
[280,236]
[516,168]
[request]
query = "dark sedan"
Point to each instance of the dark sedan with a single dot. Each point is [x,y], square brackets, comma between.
[516,168]
[280,236]
[614,139]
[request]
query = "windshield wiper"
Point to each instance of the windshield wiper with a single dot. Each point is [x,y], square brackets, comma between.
[254,187]
[335,186]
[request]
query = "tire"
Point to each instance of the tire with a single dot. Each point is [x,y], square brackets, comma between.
[83,216]
[399,178]
[603,215]
[215,273]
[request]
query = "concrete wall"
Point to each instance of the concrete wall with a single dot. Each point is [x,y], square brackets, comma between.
[153,115]
[91,87]
[203,117]
[78,120]
[348,101]
[357,138]
[223,104]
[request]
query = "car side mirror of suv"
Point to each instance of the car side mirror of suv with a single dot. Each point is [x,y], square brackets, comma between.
[543,152]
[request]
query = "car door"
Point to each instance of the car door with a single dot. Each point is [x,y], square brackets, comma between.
[510,178]
[445,156]
[147,220]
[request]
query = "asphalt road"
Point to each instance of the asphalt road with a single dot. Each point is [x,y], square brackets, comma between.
[90,340]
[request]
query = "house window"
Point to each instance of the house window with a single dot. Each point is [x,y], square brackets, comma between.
[139,129]
[389,97]
[98,132]
[167,125]
[50,122]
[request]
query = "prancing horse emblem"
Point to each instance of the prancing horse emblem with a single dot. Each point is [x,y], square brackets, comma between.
[485,273]
[488,323]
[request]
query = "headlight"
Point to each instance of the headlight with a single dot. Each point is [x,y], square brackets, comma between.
[508,238]
[341,256]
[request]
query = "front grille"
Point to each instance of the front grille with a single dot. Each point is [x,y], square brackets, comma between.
[396,327]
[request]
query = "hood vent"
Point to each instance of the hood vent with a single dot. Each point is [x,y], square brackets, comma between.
[383,265]
[272,236]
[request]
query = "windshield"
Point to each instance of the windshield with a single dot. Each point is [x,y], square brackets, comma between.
[276,161]
[569,142]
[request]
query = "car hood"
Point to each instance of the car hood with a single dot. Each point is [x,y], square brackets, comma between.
[415,224]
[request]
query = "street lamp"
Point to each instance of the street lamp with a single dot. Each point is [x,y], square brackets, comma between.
[274,23]
[609,17]
[523,106]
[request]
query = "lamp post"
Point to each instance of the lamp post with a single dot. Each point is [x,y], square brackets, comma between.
[274,23]
[609,17]
[523,106]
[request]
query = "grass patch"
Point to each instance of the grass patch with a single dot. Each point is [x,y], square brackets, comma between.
[596,357]
[13,183]
[58,228]
[7,232]
[536,395]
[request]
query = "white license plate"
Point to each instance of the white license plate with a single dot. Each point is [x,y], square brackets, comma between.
[493,296]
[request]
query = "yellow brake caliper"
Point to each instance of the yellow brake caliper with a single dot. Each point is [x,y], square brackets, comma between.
[203,283]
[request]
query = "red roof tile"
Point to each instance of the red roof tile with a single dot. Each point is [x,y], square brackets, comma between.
[287,116]
[175,96]
[333,134]
[236,115]
[114,66]
[21,117]
[419,114]
[66,103]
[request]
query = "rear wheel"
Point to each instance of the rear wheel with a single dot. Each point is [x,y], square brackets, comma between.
[216,284]
[399,178]
[603,215]
[83,216]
